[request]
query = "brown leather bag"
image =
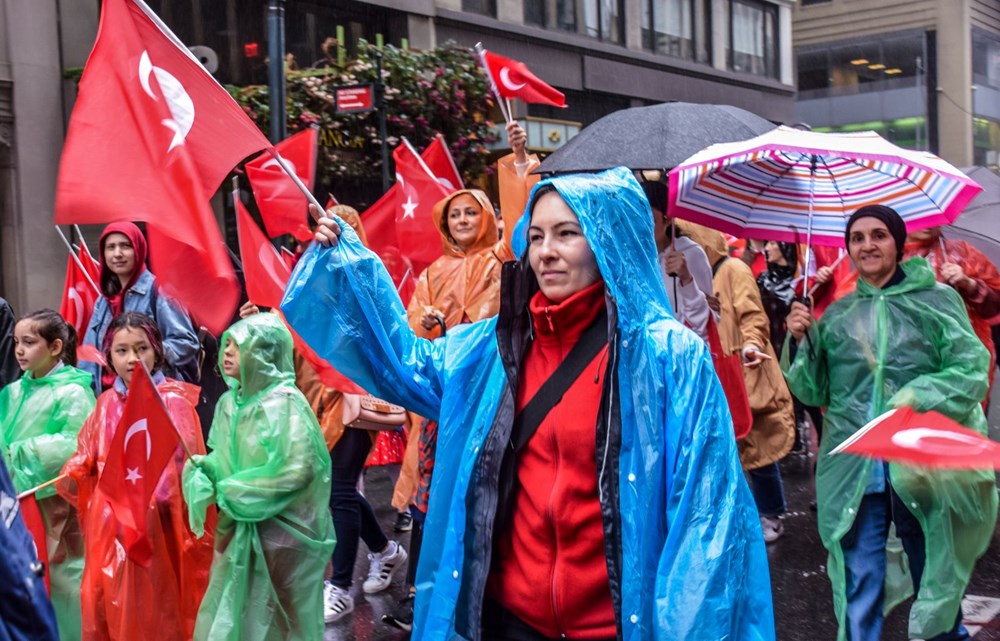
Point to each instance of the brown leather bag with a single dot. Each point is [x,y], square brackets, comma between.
[366,412]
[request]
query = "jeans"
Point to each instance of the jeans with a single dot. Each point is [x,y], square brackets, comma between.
[864,564]
[768,492]
[353,517]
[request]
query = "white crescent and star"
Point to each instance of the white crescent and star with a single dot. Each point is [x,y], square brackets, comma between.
[937,441]
[178,100]
[273,162]
[505,79]
[139,426]
[74,295]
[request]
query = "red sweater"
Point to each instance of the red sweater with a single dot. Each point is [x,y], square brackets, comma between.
[549,568]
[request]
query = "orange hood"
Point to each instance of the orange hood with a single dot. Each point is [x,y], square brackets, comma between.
[486,238]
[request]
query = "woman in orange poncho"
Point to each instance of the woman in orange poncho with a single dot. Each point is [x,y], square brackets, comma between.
[125,598]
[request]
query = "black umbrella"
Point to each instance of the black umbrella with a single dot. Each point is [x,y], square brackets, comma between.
[656,137]
[979,223]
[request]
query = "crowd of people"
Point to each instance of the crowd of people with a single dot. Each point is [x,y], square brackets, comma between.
[571,468]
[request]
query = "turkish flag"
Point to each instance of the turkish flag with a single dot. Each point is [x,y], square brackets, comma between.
[928,440]
[149,131]
[79,295]
[441,163]
[283,206]
[513,79]
[36,527]
[265,271]
[417,236]
[145,441]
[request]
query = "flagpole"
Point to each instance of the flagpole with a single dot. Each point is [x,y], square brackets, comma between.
[489,78]
[423,164]
[38,488]
[402,281]
[836,263]
[76,259]
[83,241]
[447,152]
[295,179]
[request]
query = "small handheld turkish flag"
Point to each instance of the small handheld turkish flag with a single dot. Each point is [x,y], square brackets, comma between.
[513,79]
[416,233]
[144,443]
[79,295]
[928,440]
[283,206]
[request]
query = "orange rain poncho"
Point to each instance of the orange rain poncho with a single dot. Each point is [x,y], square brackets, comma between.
[122,600]
[463,285]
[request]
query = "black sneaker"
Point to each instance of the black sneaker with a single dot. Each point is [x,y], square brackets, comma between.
[402,615]
[404,522]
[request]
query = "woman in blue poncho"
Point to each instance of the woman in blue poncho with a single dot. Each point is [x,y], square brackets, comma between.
[587,484]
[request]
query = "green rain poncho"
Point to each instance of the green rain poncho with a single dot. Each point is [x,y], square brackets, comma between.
[269,473]
[877,349]
[40,421]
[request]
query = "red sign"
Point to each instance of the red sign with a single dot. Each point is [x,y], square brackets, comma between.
[355,98]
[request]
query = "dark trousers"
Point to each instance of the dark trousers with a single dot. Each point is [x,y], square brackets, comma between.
[768,492]
[500,624]
[353,517]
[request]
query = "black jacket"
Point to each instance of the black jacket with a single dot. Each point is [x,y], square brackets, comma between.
[9,369]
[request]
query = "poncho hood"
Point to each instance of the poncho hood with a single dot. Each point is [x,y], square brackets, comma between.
[488,234]
[265,355]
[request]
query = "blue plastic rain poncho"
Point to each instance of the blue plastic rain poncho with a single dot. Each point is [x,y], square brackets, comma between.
[269,473]
[909,345]
[692,558]
[39,422]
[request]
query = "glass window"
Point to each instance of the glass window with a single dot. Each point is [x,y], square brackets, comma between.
[482,7]
[534,12]
[668,27]
[753,37]
[813,70]
[985,58]
[600,19]
[566,15]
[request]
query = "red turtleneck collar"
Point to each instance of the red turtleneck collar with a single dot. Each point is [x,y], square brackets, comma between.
[566,321]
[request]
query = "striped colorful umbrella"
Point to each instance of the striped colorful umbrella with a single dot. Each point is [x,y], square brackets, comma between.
[802,186]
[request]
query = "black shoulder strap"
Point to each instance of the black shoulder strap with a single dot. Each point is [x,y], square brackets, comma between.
[587,347]
[718,264]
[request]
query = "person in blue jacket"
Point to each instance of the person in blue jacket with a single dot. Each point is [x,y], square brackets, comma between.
[674,522]
[26,613]
[127,286]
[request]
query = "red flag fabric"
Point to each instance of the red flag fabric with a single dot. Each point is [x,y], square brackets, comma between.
[79,295]
[92,354]
[145,109]
[416,234]
[929,440]
[283,206]
[439,160]
[514,80]
[36,527]
[265,271]
[144,442]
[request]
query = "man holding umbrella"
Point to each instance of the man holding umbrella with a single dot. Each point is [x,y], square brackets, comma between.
[900,340]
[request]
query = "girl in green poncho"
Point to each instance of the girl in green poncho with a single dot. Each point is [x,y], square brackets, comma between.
[41,414]
[269,473]
[900,340]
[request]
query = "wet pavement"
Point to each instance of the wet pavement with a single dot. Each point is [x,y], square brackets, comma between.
[802,597]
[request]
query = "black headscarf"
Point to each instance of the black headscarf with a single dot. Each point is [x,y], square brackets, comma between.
[893,222]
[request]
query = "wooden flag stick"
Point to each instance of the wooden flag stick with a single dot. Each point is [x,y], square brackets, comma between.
[38,488]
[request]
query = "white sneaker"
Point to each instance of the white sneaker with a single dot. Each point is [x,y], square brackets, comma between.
[337,603]
[383,566]
[773,528]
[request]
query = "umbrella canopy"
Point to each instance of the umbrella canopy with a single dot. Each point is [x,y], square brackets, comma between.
[787,183]
[979,223]
[655,137]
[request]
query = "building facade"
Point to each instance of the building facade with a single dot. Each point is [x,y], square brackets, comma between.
[923,73]
[604,55]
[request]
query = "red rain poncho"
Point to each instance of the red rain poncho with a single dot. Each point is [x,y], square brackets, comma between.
[121,600]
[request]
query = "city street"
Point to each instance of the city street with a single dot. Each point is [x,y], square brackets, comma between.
[802,599]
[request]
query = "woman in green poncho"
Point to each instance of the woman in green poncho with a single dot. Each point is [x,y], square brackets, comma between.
[900,340]
[40,416]
[269,473]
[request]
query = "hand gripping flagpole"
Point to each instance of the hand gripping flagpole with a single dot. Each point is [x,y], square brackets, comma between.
[76,259]
[481,52]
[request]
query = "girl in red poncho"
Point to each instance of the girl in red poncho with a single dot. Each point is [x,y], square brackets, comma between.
[123,598]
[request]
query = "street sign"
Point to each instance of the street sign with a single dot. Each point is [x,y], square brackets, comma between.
[354,98]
